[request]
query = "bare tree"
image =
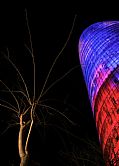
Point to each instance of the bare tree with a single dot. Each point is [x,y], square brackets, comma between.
[25,104]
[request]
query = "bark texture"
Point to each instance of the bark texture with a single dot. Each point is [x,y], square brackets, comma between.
[22,153]
[25,161]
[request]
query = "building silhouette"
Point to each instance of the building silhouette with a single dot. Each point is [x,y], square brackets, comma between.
[99,57]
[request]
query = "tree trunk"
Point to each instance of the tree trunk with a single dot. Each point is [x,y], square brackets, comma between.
[22,153]
[24,160]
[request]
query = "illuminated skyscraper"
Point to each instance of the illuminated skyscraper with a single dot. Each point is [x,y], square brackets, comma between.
[99,58]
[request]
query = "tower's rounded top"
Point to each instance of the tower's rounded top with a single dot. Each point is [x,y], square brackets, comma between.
[97,26]
[99,54]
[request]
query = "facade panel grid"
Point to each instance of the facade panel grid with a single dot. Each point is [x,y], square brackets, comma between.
[99,57]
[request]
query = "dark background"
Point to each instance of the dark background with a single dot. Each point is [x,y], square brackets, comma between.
[55,141]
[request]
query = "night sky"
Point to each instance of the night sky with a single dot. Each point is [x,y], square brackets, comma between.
[55,141]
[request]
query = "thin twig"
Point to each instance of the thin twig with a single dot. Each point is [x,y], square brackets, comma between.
[11,94]
[10,125]
[26,110]
[32,54]
[5,106]
[59,79]
[17,91]
[49,73]
[8,104]
[28,96]
[56,110]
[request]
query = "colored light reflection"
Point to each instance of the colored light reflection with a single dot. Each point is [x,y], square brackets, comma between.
[99,54]
[99,58]
[107,117]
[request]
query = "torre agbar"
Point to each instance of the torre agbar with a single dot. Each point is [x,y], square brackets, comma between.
[99,57]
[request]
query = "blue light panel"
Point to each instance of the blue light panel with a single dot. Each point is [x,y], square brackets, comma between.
[99,54]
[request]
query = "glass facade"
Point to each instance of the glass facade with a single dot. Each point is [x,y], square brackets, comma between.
[99,58]
[106,112]
[99,54]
